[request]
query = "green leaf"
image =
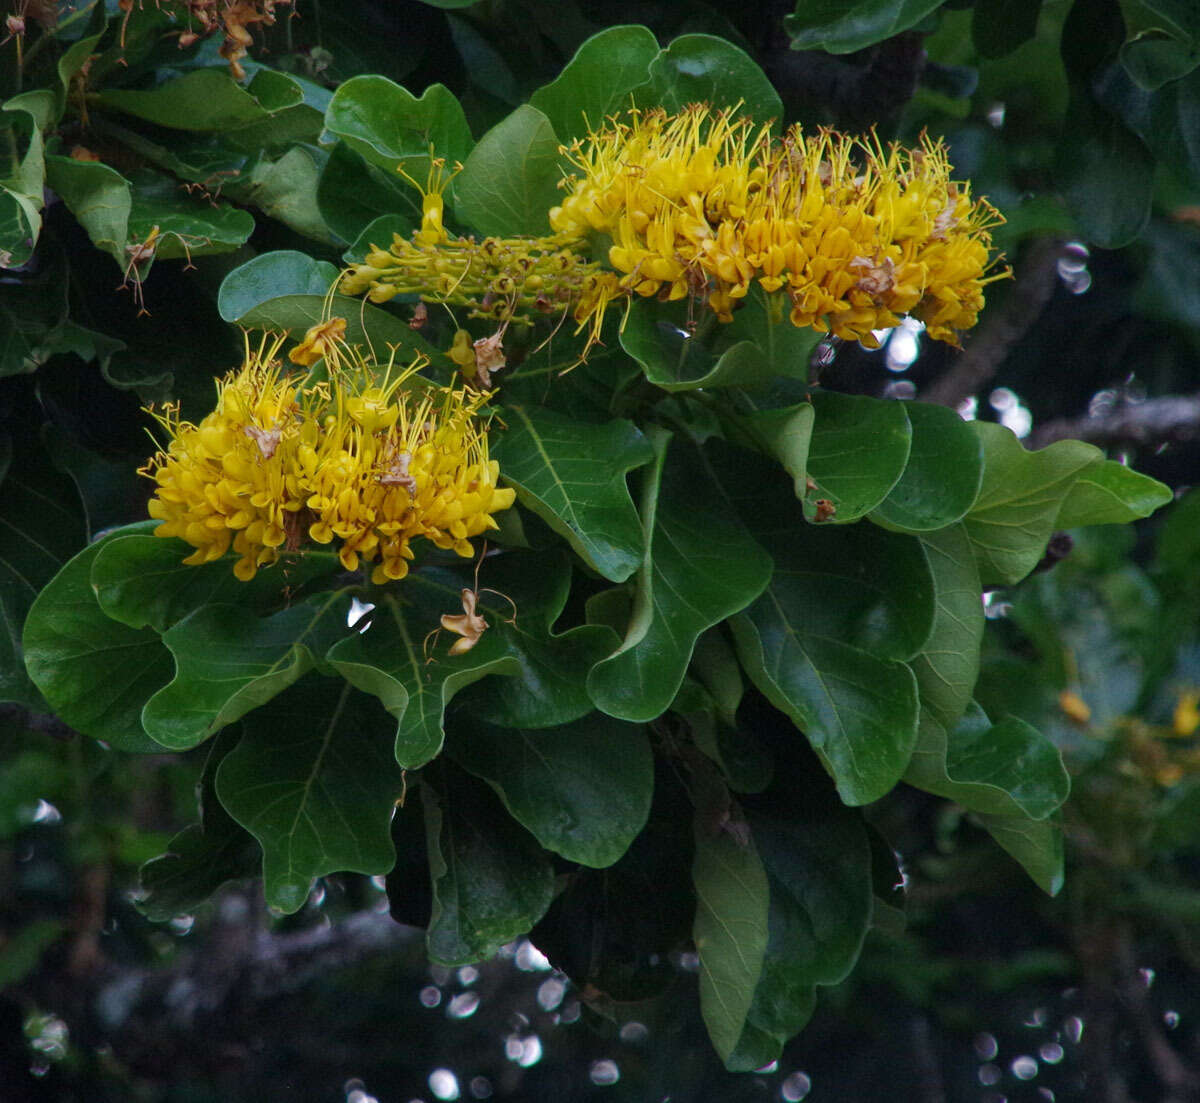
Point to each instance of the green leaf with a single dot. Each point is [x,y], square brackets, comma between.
[700,567]
[286,190]
[752,350]
[730,931]
[1164,119]
[583,789]
[270,275]
[314,781]
[1036,844]
[99,197]
[141,580]
[942,477]
[351,194]
[270,110]
[859,450]
[21,192]
[817,859]
[785,433]
[491,881]
[597,81]
[188,226]
[33,312]
[842,28]
[701,68]
[377,234]
[858,711]
[510,180]
[857,707]
[1156,56]
[203,856]
[415,679]
[1008,769]
[1110,493]
[948,665]
[1019,501]
[228,662]
[387,125]
[95,673]
[1104,172]
[572,475]
[286,291]
[41,528]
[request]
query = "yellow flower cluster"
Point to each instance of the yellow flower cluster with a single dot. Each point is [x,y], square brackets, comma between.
[703,204]
[500,279]
[369,458]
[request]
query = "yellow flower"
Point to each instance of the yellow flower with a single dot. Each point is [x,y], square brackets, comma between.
[373,459]
[1186,719]
[704,205]
[321,340]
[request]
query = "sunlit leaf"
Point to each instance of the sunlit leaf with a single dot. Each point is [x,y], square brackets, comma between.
[572,475]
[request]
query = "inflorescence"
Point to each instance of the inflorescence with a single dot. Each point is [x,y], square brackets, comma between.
[371,457]
[704,204]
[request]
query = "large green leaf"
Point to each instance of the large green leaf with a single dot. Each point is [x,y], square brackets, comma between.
[842,28]
[1165,119]
[1109,493]
[583,790]
[415,679]
[942,476]
[510,180]
[314,781]
[809,654]
[141,580]
[730,931]
[999,26]
[817,859]
[597,81]
[573,476]
[491,881]
[700,567]
[858,453]
[96,674]
[785,433]
[1008,769]
[679,353]
[227,662]
[40,529]
[387,125]
[1019,501]
[701,68]
[203,856]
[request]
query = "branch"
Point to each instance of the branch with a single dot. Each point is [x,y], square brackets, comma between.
[1036,278]
[1155,421]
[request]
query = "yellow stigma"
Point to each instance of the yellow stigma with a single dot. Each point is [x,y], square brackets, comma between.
[372,458]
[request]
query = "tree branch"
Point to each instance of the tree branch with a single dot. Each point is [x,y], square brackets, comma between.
[1036,279]
[1155,421]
